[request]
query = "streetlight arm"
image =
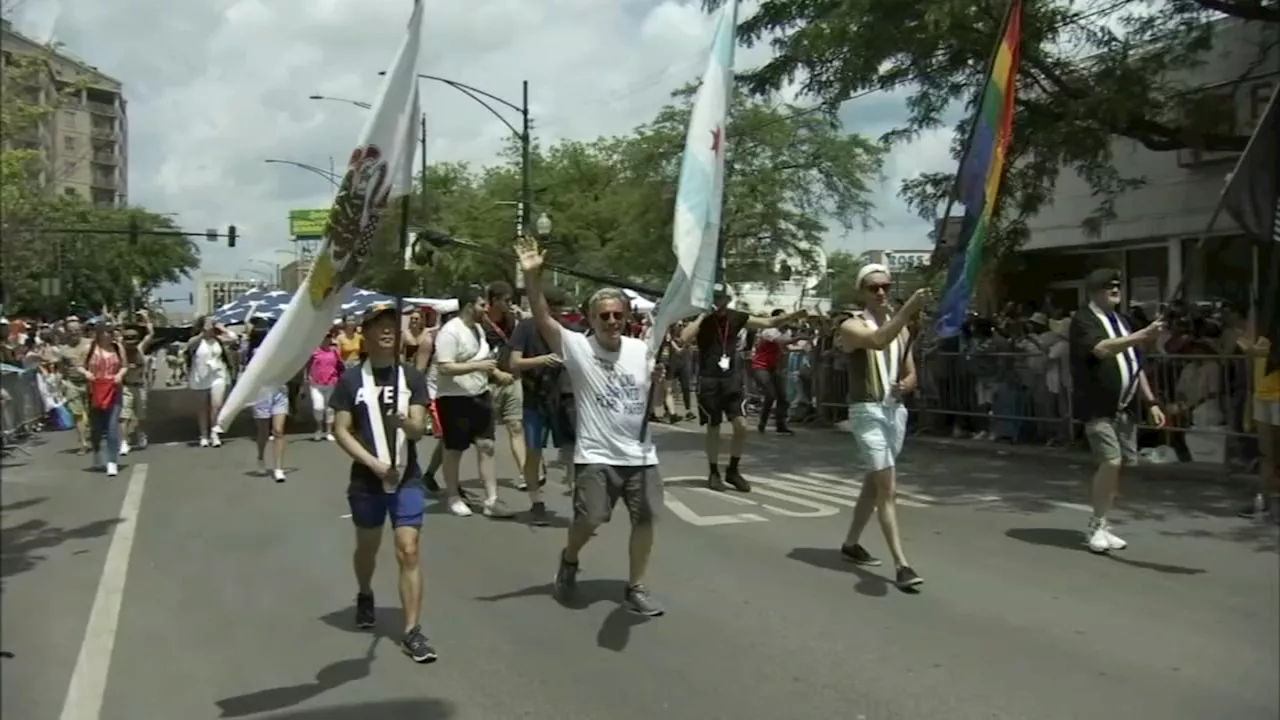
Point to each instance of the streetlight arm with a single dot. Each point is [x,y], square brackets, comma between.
[357,103]
[333,178]
[471,93]
[465,87]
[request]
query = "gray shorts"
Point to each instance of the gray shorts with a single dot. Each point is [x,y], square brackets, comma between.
[597,488]
[1113,439]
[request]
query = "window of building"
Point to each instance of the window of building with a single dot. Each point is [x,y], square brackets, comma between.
[70,192]
[1147,273]
[1221,269]
[69,142]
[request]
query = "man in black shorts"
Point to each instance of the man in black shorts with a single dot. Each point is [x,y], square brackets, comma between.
[720,380]
[385,481]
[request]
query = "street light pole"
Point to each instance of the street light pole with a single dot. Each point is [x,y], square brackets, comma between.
[526,188]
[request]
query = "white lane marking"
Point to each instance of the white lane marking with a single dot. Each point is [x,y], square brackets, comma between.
[724,496]
[816,510]
[89,679]
[851,489]
[684,512]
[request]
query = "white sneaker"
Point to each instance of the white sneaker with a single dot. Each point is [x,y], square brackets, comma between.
[278,474]
[329,437]
[112,470]
[214,440]
[204,442]
[1113,541]
[1097,537]
[124,447]
[459,508]
[317,437]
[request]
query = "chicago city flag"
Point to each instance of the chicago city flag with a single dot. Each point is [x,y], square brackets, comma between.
[378,172]
[696,229]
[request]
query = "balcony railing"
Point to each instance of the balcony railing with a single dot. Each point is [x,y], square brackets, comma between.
[106,157]
[104,182]
[101,108]
[104,133]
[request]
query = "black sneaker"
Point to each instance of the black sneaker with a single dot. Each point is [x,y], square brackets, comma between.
[784,430]
[907,579]
[638,600]
[858,555]
[715,482]
[538,515]
[365,616]
[430,481]
[415,645]
[735,479]
[566,583]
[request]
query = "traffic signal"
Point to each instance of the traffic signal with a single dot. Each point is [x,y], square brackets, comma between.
[231,236]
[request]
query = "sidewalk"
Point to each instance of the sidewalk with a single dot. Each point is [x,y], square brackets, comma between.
[1188,471]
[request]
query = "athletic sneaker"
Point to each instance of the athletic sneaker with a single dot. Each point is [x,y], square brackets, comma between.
[538,515]
[566,583]
[365,615]
[858,555]
[715,482]
[278,474]
[639,601]
[124,447]
[496,510]
[907,578]
[415,645]
[734,477]
[1100,539]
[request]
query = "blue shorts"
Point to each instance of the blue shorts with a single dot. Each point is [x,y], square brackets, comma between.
[406,507]
[539,425]
[270,403]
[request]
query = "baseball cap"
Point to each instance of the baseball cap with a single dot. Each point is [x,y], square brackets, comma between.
[1101,278]
[376,311]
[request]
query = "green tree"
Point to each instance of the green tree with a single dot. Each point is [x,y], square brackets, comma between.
[842,273]
[91,269]
[1132,84]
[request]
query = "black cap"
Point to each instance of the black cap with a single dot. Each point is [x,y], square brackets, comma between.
[376,311]
[1101,278]
[720,291]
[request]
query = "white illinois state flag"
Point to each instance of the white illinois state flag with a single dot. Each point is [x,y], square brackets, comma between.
[379,171]
[695,236]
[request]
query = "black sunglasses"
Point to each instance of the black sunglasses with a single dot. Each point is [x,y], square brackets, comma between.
[879,288]
[608,316]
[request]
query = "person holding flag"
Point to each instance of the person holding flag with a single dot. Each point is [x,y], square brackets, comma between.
[380,412]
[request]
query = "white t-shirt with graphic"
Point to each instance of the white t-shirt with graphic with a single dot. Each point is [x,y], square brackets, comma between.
[610,392]
[458,343]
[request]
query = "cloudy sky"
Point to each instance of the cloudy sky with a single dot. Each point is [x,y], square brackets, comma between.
[215,87]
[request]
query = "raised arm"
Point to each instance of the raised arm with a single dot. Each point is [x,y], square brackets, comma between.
[761,323]
[531,259]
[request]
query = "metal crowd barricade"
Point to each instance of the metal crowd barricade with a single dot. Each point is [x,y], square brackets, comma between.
[22,409]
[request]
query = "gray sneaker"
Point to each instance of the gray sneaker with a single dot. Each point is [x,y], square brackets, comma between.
[639,601]
[496,510]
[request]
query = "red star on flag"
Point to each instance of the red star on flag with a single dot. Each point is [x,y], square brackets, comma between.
[716,137]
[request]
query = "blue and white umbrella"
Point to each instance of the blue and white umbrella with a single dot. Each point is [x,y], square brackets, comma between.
[270,304]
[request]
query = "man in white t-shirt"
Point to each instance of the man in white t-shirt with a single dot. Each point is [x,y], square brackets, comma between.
[464,363]
[614,457]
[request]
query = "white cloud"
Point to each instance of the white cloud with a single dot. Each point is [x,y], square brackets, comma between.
[215,87]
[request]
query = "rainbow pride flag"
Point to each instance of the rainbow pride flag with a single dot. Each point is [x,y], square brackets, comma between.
[981,170]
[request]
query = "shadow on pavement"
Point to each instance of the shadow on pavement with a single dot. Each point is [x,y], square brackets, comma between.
[1074,540]
[615,631]
[389,622]
[870,583]
[327,678]
[419,709]
[992,479]
[21,544]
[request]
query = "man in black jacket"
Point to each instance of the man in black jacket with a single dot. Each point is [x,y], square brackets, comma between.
[1107,377]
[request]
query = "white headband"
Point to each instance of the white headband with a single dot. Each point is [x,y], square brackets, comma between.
[869,269]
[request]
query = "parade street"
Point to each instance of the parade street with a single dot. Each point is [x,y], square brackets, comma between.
[190,588]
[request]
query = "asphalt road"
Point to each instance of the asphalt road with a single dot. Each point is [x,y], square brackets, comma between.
[189,588]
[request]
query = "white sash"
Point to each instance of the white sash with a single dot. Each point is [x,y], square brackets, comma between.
[1127,361]
[885,361]
[373,411]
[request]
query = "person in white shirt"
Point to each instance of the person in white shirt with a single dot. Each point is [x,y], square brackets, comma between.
[464,363]
[614,457]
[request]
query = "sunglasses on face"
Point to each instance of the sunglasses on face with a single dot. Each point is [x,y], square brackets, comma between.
[610,316]
[879,288]
[1115,285]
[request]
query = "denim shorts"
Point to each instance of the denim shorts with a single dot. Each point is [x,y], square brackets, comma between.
[406,507]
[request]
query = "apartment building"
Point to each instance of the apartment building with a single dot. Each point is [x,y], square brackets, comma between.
[212,292]
[85,142]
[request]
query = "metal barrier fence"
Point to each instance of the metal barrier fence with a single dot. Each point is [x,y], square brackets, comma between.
[1025,398]
[22,408]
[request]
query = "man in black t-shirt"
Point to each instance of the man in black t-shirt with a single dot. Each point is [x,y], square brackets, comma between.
[384,479]
[720,380]
[548,403]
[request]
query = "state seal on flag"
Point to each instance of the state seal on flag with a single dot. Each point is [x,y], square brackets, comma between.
[353,221]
